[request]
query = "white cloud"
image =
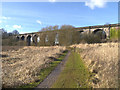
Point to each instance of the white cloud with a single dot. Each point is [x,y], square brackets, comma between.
[6,18]
[16,26]
[52,0]
[6,25]
[0,21]
[95,3]
[38,21]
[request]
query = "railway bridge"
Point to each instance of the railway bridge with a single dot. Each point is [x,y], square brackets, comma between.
[46,36]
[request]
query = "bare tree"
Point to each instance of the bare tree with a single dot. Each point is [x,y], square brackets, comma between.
[55,27]
[43,29]
[3,32]
[15,32]
[50,28]
[66,27]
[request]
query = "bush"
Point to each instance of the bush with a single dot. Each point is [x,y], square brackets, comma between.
[92,38]
[12,41]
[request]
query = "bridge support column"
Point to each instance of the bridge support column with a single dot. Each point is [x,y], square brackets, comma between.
[109,32]
[89,29]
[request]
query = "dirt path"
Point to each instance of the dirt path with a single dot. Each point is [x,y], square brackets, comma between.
[52,77]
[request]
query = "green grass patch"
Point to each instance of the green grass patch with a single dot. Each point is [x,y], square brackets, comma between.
[114,33]
[75,74]
[45,72]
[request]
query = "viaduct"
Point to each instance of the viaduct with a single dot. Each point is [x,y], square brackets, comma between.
[36,37]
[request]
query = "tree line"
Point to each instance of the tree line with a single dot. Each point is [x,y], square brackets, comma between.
[6,34]
[57,27]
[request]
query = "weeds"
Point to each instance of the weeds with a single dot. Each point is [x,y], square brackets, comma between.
[45,72]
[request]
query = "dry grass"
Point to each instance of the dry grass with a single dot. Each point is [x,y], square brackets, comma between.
[102,59]
[21,66]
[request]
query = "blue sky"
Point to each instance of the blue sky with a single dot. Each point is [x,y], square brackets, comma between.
[32,16]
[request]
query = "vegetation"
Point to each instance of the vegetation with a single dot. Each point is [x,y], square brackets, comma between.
[74,75]
[5,34]
[114,34]
[45,71]
[8,39]
[91,38]
[67,36]
[56,27]
[67,27]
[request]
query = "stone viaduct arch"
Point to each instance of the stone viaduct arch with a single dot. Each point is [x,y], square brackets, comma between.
[105,28]
[23,38]
[34,38]
[28,39]
[105,32]
[100,32]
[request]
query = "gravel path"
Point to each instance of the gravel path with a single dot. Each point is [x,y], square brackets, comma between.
[52,77]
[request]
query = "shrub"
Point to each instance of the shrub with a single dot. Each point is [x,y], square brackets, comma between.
[92,38]
[12,41]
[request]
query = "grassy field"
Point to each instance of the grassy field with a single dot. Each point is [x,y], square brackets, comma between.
[102,59]
[74,75]
[45,72]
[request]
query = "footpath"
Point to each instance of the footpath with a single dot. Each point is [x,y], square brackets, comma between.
[52,77]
